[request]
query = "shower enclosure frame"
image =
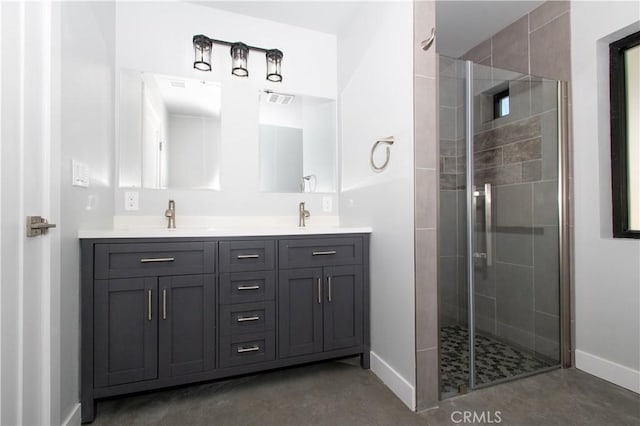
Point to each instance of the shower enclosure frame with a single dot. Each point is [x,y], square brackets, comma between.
[564,236]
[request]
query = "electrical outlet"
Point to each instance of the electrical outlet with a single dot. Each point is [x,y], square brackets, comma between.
[79,174]
[131,200]
[327,204]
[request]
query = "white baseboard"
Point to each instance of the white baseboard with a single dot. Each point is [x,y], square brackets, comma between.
[73,419]
[623,376]
[404,390]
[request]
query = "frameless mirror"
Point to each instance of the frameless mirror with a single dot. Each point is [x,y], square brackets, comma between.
[297,143]
[168,132]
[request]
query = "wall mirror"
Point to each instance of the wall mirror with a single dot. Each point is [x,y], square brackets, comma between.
[297,143]
[625,135]
[168,132]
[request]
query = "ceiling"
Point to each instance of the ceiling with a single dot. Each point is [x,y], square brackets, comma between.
[460,24]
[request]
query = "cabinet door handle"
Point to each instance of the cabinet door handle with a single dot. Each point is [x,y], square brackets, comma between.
[149,312]
[329,285]
[319,290]
[164,303]
[324,253]
[248,287]
[249,349]
[248,256]
[157,259]
[243,319]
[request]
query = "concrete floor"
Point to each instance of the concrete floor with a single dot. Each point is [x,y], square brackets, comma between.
[340,393]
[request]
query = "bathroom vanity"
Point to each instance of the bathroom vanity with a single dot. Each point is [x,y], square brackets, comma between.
[187,307]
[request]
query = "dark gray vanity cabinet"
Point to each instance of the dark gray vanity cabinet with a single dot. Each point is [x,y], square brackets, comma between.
[125,331]
[159,312]
[321,307]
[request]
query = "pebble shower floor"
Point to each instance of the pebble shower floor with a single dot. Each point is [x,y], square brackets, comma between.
[494,360]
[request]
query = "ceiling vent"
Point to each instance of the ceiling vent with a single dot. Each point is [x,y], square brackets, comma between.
[178,84]
[279,98]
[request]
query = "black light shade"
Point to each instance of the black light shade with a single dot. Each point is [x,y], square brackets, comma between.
[239,54]
[202,52]
[274,64]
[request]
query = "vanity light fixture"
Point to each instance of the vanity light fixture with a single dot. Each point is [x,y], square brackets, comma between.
[202,47]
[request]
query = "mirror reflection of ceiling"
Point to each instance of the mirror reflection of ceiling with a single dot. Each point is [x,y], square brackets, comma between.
[479,19]
[184,96]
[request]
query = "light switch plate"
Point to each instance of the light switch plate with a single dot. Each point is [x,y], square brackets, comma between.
[131,200]
[327,204]
[79,174]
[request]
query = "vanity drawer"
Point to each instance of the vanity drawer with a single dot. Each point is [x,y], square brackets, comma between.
[247,318]
[238,256]
[127,260]
[247,349]
[320,252]
[246,287]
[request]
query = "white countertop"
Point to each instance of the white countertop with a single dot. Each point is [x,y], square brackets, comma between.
[220,232]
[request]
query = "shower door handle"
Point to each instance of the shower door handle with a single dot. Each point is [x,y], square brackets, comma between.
[488,224]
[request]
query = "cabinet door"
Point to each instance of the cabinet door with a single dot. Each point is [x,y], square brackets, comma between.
[300,311]
[186,317]
[342,307]
[125,330]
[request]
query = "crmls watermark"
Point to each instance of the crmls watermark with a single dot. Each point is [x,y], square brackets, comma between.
[488,417]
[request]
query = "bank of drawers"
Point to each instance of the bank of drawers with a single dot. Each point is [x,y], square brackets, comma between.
[247,302]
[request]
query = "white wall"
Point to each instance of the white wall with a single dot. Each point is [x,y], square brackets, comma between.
[607,271]
[87,136]
[156,37]
[375,77]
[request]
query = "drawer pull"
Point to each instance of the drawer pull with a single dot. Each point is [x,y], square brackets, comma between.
[243,319]
[249,349]
[157,259]
[248,287]
[248,256]
[324,253]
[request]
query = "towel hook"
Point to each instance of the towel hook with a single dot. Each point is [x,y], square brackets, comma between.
[426,44]
[389,141]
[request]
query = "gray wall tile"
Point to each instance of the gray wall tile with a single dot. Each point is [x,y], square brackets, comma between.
[481,52]
[514,132]
[514,296]
[522,151]
[447,231]
[545,203]
[510,47]
[447,123]
[546,270]
[501,175]
[426,194]
[487,159]
[426,127]
[515,246]
[485,314]
[448,289]
[513,206]
[427,392]
[546,12]
[551,50]
[426,289]
[532,171]
[549,124]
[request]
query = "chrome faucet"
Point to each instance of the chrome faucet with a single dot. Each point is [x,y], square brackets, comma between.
[170,213]
[302,214]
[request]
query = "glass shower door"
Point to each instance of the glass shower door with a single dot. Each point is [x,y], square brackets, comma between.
[514,258]
[499,284]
